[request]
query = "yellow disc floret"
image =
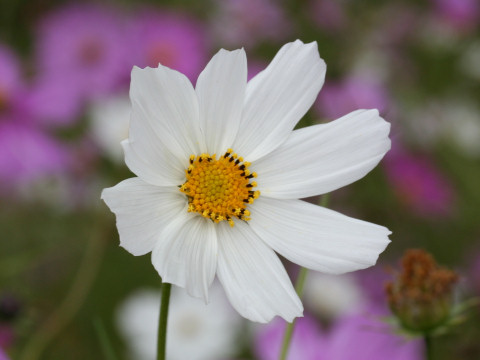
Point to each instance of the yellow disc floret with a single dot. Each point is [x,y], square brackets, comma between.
[219,189]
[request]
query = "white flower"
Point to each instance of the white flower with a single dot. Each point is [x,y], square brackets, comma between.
[333,296]
[202,210]
[195,331]
[109,122]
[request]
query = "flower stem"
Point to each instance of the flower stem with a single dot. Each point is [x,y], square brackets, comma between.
[162,322]
[428,347]
[287,337]
[299,285]
[65,312]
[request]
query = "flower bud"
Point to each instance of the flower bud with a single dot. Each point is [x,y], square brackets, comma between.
[421,294]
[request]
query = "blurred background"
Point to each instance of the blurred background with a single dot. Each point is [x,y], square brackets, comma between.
[68,291]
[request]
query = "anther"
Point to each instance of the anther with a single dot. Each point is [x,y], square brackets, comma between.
[215,188]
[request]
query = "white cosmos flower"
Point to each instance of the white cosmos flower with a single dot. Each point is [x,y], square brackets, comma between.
[333,296]
[109,123]
[195,331]
[196,204]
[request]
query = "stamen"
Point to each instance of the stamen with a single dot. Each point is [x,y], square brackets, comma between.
[219,189]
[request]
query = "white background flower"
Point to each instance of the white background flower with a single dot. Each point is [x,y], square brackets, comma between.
[171,121]
[333,296]
[110,118]
[195,331]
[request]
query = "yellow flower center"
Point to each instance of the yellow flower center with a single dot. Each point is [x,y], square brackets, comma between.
[220,189]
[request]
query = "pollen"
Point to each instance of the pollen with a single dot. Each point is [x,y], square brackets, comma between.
[220,189]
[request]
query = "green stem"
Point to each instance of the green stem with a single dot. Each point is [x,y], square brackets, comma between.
[73,301]
[299,285]
[428,347]
[105,343]
[162,322]
[287,337]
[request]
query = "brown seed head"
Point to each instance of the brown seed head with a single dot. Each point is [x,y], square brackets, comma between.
[421,294]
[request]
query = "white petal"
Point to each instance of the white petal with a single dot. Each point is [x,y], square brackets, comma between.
[317,238]
[278,97]
[142,211]
[221,92]
[165,103]
[253,277]
[149,159]
[186,254]
[318,159]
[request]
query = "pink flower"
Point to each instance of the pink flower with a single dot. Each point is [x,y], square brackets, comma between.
[82,46]
[27,154]
[328,14]
[349,94]
[52,101]
[254,67]
[356,337]
[249,22]
[11,82]
[10,79]
[3,356]
[462,15]
[372,281]
[363,337]
[172,39]
[308,342]
[419,185]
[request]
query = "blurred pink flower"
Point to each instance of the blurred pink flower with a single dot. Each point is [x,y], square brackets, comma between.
[172,39]
[372,281]
[419,184]
[27,154]
[350,94]
[308,343]
[53,101]
[11,85]
[364,337]
[328,14]
[82,46]
[3,356]
[10,78]
[463,15]
[357,337]
[254,67]
[6,337]
[249,22]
